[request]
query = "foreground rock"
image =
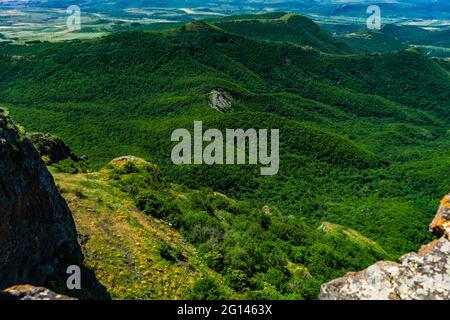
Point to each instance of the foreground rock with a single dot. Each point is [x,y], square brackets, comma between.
[27,292]
[38,240]
[419,276]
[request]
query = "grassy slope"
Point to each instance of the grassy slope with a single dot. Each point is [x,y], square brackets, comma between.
[123,245]
[352,235]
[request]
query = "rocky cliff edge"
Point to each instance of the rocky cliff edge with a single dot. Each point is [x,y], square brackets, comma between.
[38,239]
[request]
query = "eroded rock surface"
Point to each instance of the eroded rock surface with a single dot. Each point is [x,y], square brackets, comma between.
[419,276]
[220,100]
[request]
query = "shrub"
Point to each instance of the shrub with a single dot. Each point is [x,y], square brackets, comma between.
[154,204]
[171,254]
[207,289]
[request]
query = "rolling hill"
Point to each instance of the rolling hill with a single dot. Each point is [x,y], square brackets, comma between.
[283,27]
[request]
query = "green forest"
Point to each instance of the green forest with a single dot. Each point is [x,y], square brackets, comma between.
[364,141]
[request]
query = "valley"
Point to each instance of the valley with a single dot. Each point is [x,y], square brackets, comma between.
[421,24]
[364,151]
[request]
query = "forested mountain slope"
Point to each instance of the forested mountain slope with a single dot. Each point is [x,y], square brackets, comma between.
[364,138]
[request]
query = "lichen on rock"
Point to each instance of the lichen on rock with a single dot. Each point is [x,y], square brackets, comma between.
[419,276]
[440,226]
[28,292]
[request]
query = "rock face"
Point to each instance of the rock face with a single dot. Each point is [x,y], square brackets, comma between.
[441,223]
[419,276]
[51,148]
[220,100]
[38,239]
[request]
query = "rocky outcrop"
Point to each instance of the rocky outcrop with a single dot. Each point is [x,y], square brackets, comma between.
[220,100]
[38,240]
[121,161]
[51,148]
[27,292]
[440,226]
[419,276]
